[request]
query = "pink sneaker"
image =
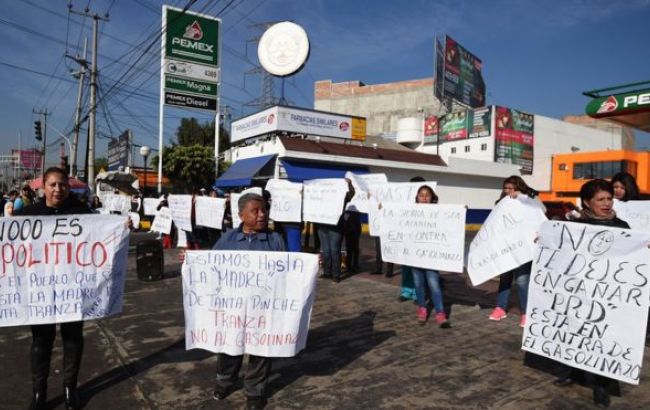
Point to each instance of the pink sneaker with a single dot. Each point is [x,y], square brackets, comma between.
[498,314]
[422,315]
[441,320]
[522,320]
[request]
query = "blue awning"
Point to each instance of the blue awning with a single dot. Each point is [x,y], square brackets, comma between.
[242,172]
[299,171]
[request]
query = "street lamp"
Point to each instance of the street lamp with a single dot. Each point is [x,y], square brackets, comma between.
[144,151]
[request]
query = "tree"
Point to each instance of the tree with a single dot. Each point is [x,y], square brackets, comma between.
[190,132]
[190,167]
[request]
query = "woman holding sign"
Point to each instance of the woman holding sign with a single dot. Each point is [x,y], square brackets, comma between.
[428,277]
[513,186]
[57,202]
[597,209]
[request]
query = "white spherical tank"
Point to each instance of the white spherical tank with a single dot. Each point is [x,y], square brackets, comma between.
[409,130]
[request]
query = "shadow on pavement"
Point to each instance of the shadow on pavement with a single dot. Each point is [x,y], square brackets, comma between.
[329,349]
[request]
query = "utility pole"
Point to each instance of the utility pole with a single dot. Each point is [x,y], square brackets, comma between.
[90,174]
[44,113]
[81,75]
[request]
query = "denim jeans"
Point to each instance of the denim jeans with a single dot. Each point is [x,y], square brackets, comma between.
[408,286]
[427,277]
[330,244]
[521,275]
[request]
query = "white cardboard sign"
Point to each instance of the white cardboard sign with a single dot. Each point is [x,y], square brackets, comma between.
[209,211]
[323,200]
[181,207]
[286,200]
[635,213]
[162,222]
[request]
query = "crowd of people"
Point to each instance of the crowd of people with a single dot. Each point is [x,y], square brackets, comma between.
[421,285]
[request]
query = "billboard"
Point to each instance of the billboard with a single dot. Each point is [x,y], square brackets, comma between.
[299,121]
[118,151]
[431,129]
[461,75]
[190,59]
[480,122]
[29,159]
[453,126]
[439,85]
[514,138]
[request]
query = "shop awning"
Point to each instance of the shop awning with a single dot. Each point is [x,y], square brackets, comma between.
[299,171]
[242,172]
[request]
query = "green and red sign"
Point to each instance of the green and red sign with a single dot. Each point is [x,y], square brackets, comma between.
[453,126]
[514,138]
[619,104]
[191,37]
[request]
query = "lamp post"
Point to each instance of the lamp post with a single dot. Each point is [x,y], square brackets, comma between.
[144,151]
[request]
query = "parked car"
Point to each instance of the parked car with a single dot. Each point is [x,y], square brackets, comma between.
[557,210]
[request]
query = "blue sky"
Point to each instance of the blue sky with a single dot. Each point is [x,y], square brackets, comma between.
[538,56]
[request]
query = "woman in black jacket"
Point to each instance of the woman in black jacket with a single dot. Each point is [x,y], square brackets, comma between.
[597,209]
[58,201]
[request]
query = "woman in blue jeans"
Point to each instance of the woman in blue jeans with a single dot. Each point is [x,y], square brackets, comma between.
[513,186]
[331,237]
[428,277]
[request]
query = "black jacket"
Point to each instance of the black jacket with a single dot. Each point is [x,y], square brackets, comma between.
[70,206]
[614,223]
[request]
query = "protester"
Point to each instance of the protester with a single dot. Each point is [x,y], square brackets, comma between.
[407,291]
[58,201]
[95,203]
[430,278]
[253,235]
[26,198]
[167,239]
[379,262]
[597,209]
[513,187]
[352,229]
[625,187]
[331,237]
[9,205]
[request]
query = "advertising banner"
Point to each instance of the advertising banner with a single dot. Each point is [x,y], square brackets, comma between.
[588,298]
[62,268]
[453,126]
[439,86]
[300,121]
[262,304]
[431,129]
[514,138]
[426,236]
[119,150]
[480,122]
[463,80]
[191,70]
[30,159]
[506,239]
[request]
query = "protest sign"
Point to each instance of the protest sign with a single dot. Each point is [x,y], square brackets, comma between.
[162,222]
[181,207]
[61,268]
[234,210]
[254,190]
[635,213]
[116,203]
[588,298]
[209,211]
[391,192]
[323,200]
[361,183]
[150,205]
[181,238]
[240,302]
[423,235]
[135,219]
[286,200]
[506,238]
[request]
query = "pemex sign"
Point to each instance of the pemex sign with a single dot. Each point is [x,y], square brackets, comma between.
[191,59]
[619,104]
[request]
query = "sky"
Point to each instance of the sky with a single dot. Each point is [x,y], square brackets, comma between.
[538,56]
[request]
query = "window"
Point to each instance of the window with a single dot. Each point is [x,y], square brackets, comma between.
[466,148]
[604,169]
[483,147]
[453,150]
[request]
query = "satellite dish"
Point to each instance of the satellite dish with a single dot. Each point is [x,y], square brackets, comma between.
[283,48]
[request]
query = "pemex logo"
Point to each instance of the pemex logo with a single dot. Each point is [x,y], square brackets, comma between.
[193,31]
[609,105]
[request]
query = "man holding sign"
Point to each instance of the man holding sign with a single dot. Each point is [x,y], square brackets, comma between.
[252,235]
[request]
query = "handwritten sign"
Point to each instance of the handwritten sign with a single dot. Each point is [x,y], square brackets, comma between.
[361,183]
[150,205]
[286,200]
[391,192]
[240,302]
[506,238]
[61,268]
[210,211]
[635,213]
[181,207]
[135,219]
[162,222]
[234,210]
[588,298]
[323,200]
[424,235]
[117,203]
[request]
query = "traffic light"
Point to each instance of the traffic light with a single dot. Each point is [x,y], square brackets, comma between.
[38,131]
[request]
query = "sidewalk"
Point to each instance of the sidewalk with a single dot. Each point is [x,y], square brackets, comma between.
[365,351]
